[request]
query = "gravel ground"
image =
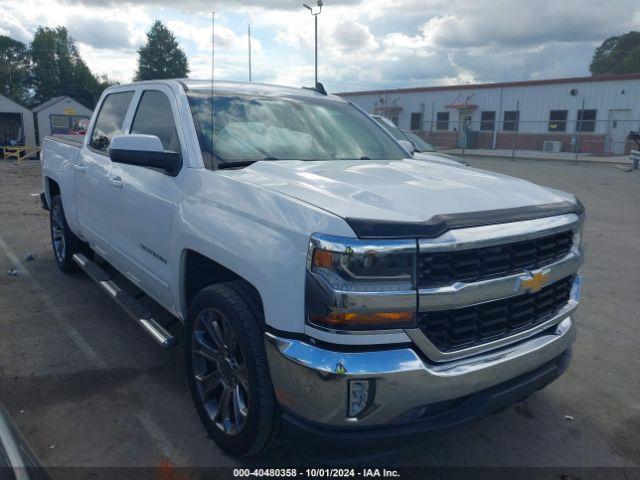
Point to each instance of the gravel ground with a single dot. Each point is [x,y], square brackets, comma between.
[89,389]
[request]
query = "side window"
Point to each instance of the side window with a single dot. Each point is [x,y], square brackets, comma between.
[558,120]
[154,117]
[586,121]
[416,121]
[488,121]
[110,119]
[442,122]
[511,120]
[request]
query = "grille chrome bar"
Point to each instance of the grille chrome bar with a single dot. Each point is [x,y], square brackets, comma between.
[458,328]
[465,294]
[502,233]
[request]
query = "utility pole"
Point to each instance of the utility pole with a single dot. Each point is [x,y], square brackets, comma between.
[315,18]
[249,37]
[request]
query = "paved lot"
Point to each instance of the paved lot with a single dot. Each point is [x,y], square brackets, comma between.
[89,389]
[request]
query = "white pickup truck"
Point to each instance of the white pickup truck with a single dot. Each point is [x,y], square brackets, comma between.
[326,283]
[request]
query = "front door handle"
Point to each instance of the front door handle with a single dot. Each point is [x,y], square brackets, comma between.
[80,167]
[116,182]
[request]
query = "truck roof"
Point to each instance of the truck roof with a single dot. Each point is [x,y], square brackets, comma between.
[247,88]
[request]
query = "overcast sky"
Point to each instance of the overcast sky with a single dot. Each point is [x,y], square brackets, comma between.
[363,44]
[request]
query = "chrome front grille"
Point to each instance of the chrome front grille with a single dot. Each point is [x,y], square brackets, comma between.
[436,269]
[458,328]
[478,286]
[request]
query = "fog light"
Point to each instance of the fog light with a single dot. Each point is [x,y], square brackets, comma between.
[360,396]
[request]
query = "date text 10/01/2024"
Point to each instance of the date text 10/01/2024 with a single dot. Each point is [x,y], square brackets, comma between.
[316,472]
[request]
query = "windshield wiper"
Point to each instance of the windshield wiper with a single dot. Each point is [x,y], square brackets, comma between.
[244,163]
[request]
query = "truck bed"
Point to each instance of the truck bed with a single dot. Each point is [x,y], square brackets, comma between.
[58,156]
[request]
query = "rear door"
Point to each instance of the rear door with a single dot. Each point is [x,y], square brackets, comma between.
[143,211]
[92,171]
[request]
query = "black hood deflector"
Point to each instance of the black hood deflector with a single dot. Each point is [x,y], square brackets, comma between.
[439,224]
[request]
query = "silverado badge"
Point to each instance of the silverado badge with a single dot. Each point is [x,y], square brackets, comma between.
[533,282]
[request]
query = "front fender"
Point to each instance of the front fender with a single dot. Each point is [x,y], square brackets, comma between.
[257,233]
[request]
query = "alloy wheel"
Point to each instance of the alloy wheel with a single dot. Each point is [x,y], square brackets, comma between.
[57,233]
[220,371]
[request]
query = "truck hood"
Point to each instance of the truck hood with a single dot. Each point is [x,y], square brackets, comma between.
[439,157]
[403,191]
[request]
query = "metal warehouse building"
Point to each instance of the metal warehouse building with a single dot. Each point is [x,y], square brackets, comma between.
[16,124]
[588,114]
[61,115]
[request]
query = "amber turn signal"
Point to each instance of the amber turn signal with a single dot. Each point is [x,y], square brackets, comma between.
[364,321]
[322,258]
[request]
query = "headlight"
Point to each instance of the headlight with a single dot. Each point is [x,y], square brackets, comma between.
[360,285]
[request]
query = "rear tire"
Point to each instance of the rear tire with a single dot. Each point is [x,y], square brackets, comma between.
[227,369]
[63,241]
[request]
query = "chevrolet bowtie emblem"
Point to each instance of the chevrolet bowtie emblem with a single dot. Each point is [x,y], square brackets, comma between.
[534,282]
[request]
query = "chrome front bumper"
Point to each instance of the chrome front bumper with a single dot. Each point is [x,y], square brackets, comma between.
[312,382]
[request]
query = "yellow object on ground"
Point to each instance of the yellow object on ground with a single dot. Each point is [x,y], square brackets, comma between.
[19,153]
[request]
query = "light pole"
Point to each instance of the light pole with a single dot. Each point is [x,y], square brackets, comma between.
[249,38]
[315,18]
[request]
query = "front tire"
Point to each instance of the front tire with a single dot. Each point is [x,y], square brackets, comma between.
[63,241]
[227,368]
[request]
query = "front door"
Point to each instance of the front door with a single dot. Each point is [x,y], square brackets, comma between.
[464,127]
[142,213]
[92,170]
[618,129]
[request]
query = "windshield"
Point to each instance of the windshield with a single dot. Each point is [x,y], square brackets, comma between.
[250,128]
[392,129]
[419,143]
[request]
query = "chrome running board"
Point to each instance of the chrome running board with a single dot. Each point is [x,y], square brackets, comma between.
[129,304]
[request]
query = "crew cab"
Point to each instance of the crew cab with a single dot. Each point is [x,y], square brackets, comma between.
[325,282]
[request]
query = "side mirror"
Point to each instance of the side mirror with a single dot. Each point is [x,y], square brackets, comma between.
[143,151]
[407,145]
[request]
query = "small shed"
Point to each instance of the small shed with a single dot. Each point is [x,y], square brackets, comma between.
[61,116]
[16,124]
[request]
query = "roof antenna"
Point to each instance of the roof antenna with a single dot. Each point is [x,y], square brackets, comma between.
[318,88]
[213,51]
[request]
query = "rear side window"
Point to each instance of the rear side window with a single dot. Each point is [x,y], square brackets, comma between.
[110,119]
[154,117]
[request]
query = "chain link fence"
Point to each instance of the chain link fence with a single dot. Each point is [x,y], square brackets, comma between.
[559,138]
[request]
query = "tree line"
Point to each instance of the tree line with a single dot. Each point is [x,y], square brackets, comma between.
[51,66]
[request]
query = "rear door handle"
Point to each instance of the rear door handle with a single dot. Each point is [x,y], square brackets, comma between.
[116,182]
[80,167]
